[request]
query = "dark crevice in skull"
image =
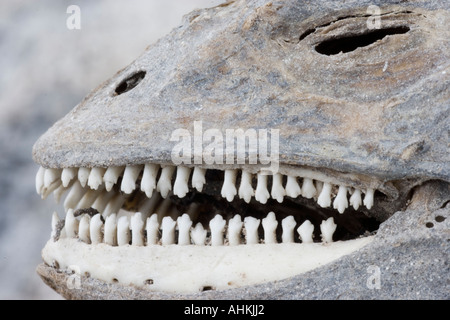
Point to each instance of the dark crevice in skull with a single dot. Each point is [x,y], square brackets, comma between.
[130,82]
[350,43]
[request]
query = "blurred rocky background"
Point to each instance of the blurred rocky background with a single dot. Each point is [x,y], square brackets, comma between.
[45,70]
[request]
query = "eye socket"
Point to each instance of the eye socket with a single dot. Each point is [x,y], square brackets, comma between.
[130,82]
[351,43]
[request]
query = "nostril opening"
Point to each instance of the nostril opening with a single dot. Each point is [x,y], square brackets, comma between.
[351,43]
[130,82]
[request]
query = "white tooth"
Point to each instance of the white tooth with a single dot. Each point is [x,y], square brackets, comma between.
[246,191]
[308,189]
[319,187]
[168,231]
[147,206]
[270,224]
[340,202]
[164,185]
[55,222]
[40,180]
[288,225]
[129,178]
[46,191]
[198,234]
[67,175]
[102,200]
[234,230]
[95,229]
[184,227]
[152,228]
[198,178]
[114,205]
[58,193]
[148,182]
[251,225]
[306,232]
[96,177]
[355,199]
[71,224]
[278,191]
[88,199]
[327,228]
[74,196]
[83,176]
[180,186]
[111,176]
[261,193]
[137,230]
[50,176]
[324,199]
[229,185]
[217,227]
[368,198]
[123,231]
[111,230]
[292,187]
[83,228]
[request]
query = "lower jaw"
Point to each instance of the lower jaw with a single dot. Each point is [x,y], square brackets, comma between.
[188,269]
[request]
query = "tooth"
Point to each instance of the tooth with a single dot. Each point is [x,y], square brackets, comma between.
[55,222]
[102,200]
[83,176]
[95,229]
[58,193]
[40,180]
[71,224]
[251,230]
[229,185]
[180,186]
[319,187]
[246,191]
[184,227]
[96,177]
[288,225]
[123,231]
[67,175]
[114,205]
[129,178]
[148,182]
[53,186]
[198,178]
[147,206]
[217,227]
[137,230]
[168,231]
[50,176]
[355,199]
[324,199]
[164,185]
[261,193]
[74,196]
[234,230]
[270,224]
[327,228]
[83,229]
[278,191]
[111,176]
[152,228]
[88,199]
[340,202]
[306,232]
[292,187]
[368,198]
[111,230]
[308,189]
[198,234]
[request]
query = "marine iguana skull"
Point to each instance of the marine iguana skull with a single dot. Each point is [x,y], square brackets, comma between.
[361,116]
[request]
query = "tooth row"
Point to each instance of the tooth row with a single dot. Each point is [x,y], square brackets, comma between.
[98,179]
[139,231]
